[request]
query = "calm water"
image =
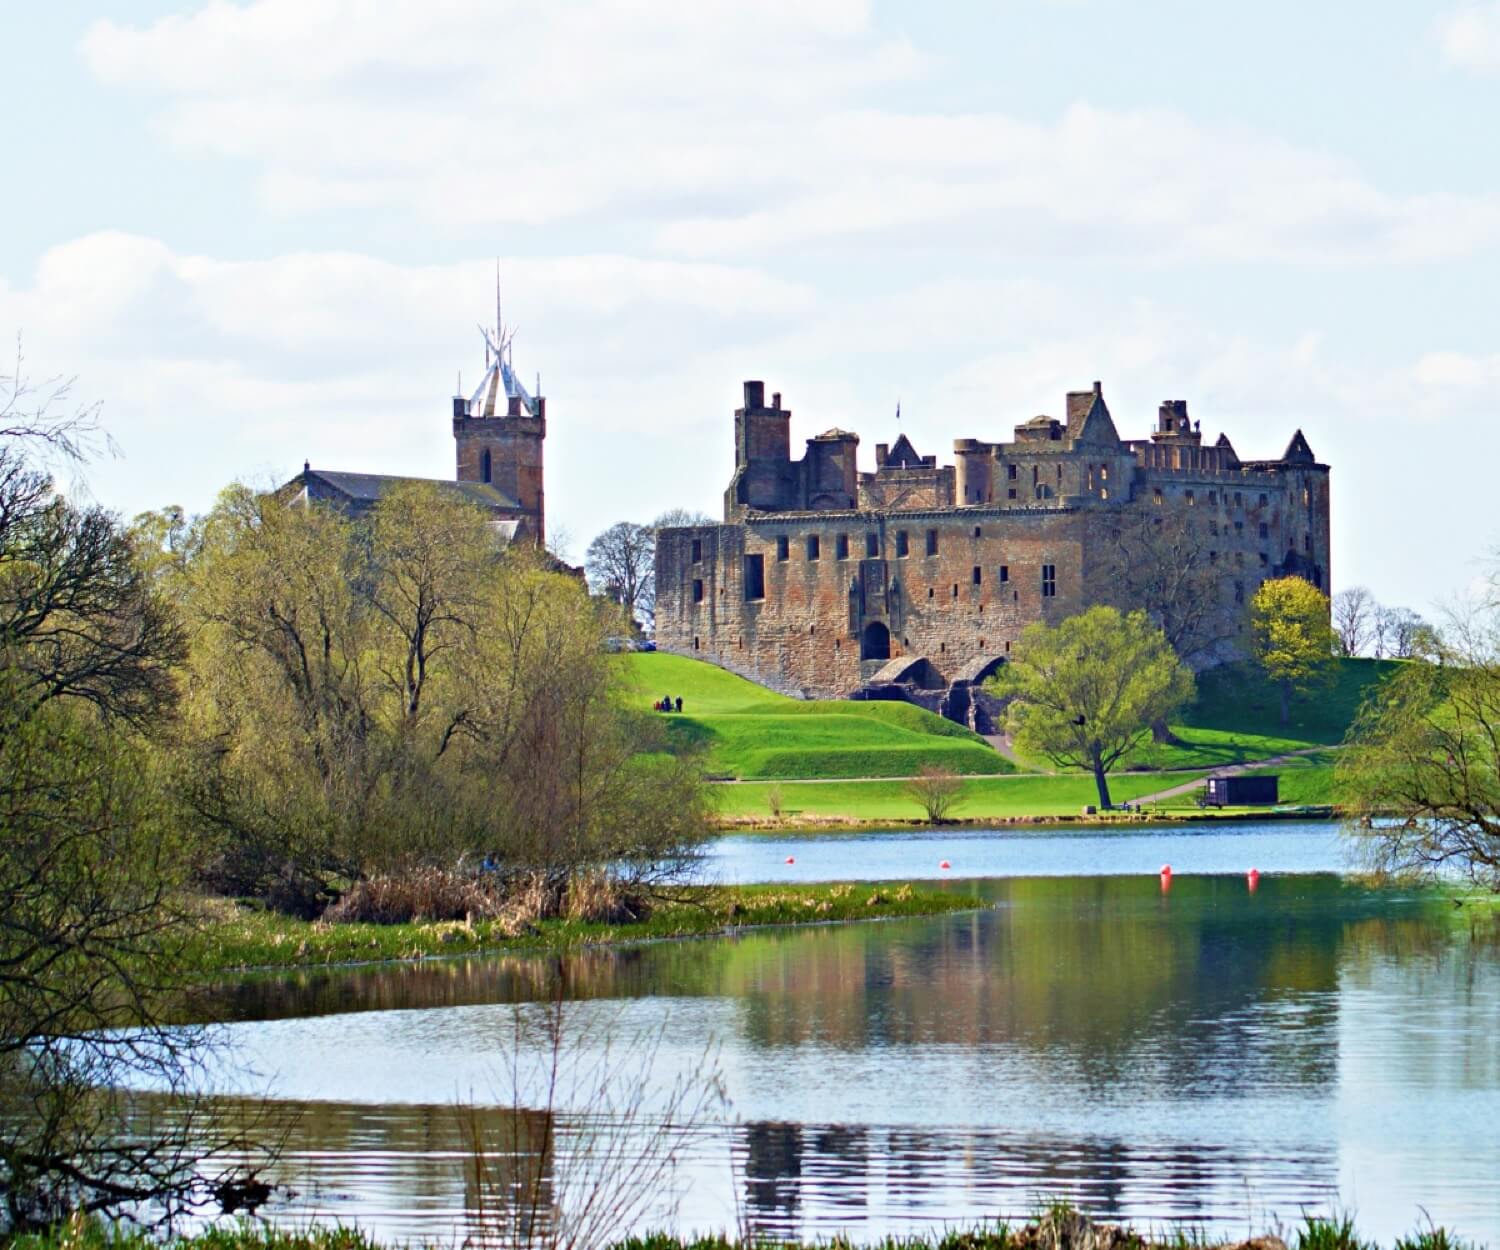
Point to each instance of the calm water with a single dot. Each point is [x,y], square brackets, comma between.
[1207,1054]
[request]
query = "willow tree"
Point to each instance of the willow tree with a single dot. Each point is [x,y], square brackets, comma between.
[1086,692]
[1420,775]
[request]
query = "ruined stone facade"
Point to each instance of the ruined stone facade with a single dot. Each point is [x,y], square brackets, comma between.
[823,578]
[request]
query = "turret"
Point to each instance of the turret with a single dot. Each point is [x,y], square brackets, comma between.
[499,431]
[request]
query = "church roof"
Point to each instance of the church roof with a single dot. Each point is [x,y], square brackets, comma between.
[366,488]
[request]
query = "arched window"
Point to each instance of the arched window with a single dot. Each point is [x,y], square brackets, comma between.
[484,466]
[875,642]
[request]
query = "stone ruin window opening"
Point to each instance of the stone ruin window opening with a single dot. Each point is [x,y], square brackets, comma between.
[1011,493]
[981,644]
[1059,474]
[841,547]
[755,577]
[932,542]
[875,642]
[1239,527]
[902,545]
[1104,492]
[783,547]
[695,643]
[872,546]
[1104,472]
[1265,560]
[1213,557]
[1004,574]
[978,575]
[1307,543]
[1043,491]
[811,630]
[1156,495]
[1306,498]
[1239,592]
[930,592]
[955,590]
[1239,501]
[1264,501]
[814,547]
[484,466]
[1091,479]
[1049,581]
[697,590]
[1191,501]
[697,550]
[1011,472]
[1265,530]
[1213,496]
[977,532]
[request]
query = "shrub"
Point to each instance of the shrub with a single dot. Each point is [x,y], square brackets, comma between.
[599,898]
[419,894]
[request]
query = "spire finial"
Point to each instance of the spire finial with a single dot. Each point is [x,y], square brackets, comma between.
[499,320]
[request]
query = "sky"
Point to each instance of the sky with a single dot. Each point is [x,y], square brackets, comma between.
[265,231]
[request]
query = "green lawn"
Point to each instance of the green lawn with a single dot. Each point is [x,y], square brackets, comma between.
[983,797]
[748,731]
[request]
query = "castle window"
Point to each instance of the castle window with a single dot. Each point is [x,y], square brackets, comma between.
[1010,472]
[1213,557]
[695,644]
[1239,558]
[1104,472]
[1238,500]
[955,590]
[1239,528]
[814,547]
[755,577]
[978,575]
[930,592]
[783,547]
[1191,502]
[1213,496]
[1307,543]
[1213,527]
[484,466]
[697,550]
[1264,559]
[1265,530]
[1104,492]
[1239,592]
[1059,474]
[1264,501]
[697,590]
[1156,495]
[932,542]
[976,532]
[1035,474]
[1049,581]
[1004,574]
[1091,477]
[981,644]
[1306,498]
[902,546]
[1011,493]
[872,546]
[841,547]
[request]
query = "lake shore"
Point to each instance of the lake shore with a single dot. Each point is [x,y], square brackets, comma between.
[851,824]
[236,938]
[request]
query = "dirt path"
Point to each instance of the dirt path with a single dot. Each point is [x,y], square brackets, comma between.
[1228,770]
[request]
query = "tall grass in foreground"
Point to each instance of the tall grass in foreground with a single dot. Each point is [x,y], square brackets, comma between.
[1057,1226]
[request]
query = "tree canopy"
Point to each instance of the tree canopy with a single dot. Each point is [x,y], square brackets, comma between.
[1294,643]
[1421,771]
[1086,692]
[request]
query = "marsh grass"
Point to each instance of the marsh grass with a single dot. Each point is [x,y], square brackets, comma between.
[236,936]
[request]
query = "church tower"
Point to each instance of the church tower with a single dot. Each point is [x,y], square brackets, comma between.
[499,431]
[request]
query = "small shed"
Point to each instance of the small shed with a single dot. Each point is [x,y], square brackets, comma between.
[1241,791]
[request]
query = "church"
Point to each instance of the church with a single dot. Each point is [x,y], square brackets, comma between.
[498,432]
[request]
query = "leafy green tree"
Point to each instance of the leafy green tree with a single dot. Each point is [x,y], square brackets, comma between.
[1420,775]
[1294,643]
[1085,693]
[91,867]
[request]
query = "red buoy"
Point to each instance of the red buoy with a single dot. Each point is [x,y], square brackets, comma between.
[945,864]
[1252,879]
[1166,870]
[790,860]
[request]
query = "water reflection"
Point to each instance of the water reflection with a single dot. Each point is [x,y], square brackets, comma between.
[1210,1055]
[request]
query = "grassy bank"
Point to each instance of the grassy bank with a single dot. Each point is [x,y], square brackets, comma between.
[747,731]
[1058,1227]
[983,798]
[236,937]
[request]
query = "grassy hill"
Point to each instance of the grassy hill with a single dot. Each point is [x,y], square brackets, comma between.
[750,732]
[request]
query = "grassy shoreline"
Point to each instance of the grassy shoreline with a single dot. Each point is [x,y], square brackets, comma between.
[237,938]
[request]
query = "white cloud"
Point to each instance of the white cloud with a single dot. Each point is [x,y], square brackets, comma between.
[1470,36]
[711,128]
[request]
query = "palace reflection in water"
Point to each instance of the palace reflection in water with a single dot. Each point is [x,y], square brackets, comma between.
[1208,1055]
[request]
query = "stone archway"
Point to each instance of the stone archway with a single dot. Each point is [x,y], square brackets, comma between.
[875,642]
